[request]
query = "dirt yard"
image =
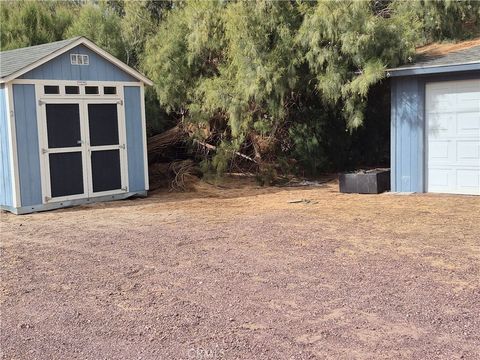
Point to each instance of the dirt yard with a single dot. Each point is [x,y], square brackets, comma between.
[244,273]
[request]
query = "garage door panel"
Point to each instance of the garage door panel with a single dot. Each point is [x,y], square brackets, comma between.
[468,124]
[468,179]
[441,125]
[468,96]
[467,87]
[441,102]
[470,105]
[453,137]
[468,152]
[439,178]
[441,152]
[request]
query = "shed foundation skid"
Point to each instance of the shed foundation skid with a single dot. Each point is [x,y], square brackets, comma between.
[69,203]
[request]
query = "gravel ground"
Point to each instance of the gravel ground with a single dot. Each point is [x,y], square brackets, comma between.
[241,272]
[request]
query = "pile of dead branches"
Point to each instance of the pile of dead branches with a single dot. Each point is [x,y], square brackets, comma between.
[185,174]
[162,147]
[170,160]
[178,175]
[174,156]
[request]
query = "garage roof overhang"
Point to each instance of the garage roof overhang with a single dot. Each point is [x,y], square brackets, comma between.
[438,58]
[424,70]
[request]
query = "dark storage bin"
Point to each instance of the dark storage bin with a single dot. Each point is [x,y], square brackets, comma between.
[365,182]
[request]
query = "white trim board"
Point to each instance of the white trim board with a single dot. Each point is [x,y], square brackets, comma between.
[75,82]
[413,67]
[144,131]
[89,44]
[12,133]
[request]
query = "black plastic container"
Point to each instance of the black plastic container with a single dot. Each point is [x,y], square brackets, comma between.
[373,181]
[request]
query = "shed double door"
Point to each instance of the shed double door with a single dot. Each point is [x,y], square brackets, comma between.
[84,149]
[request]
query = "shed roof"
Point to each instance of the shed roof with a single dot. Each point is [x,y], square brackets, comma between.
[442,57]
[14,63]
[13,60]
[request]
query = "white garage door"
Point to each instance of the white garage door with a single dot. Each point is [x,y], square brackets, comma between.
[453,137]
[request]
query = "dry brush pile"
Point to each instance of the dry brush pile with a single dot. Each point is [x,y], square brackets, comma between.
[170,160]
[175,157]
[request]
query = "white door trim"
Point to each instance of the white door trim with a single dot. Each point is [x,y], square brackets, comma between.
[12,134]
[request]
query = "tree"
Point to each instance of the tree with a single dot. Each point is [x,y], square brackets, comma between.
[139,22]
[449,19]
[351,46]
[101,24]
[27,23]
[227,68]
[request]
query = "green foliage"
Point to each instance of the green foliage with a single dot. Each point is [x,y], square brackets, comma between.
[101,24]
[139,21]
[226,66]
[157,119]
[449,19]
[166,62]
[307,145]
[351,46]
[27,23]
[137,25]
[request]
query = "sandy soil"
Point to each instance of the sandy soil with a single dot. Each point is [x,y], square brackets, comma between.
[244,273]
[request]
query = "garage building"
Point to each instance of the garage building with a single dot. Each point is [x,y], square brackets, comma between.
[435,121]
[72,127]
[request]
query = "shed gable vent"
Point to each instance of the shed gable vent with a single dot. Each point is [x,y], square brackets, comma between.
[79,59]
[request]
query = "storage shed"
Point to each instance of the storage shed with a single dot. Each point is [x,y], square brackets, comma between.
[435,121]
[72,127]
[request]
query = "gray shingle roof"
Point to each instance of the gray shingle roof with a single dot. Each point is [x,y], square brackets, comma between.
[465,56]
[12,61]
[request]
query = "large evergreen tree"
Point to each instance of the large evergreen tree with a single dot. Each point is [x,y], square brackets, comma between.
[349,44]
[228,69]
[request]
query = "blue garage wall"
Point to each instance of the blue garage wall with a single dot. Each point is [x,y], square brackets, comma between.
[407,134]
[133,119]
[6,178]
[60,68]
[27,144]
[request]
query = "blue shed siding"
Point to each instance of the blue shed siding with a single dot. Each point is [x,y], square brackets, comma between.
[134,129]
[6,178]
[60,68]
[27,144]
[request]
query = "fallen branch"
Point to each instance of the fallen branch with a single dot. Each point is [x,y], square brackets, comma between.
[213,147]
[160,142]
